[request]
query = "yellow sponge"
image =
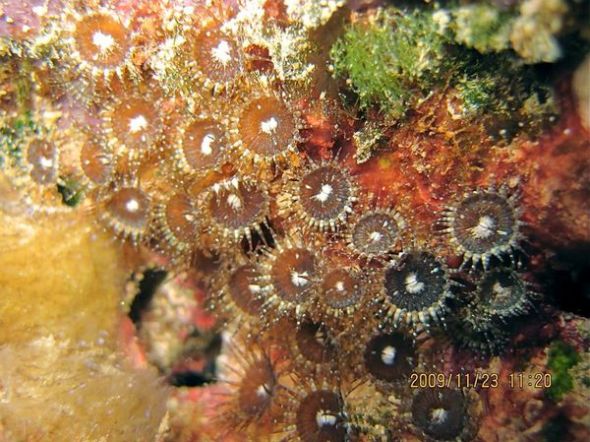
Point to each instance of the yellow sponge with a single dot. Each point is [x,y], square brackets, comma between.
[61,375]
[59,275]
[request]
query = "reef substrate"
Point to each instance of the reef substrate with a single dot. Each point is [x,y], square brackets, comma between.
[294,220]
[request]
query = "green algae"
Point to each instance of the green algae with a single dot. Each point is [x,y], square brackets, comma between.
[478,94]
[519,93]
[11,137]
[392,60]
[482,27]
[562,357]
[71,191]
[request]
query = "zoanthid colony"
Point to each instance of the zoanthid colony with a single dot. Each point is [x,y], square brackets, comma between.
[320,206]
